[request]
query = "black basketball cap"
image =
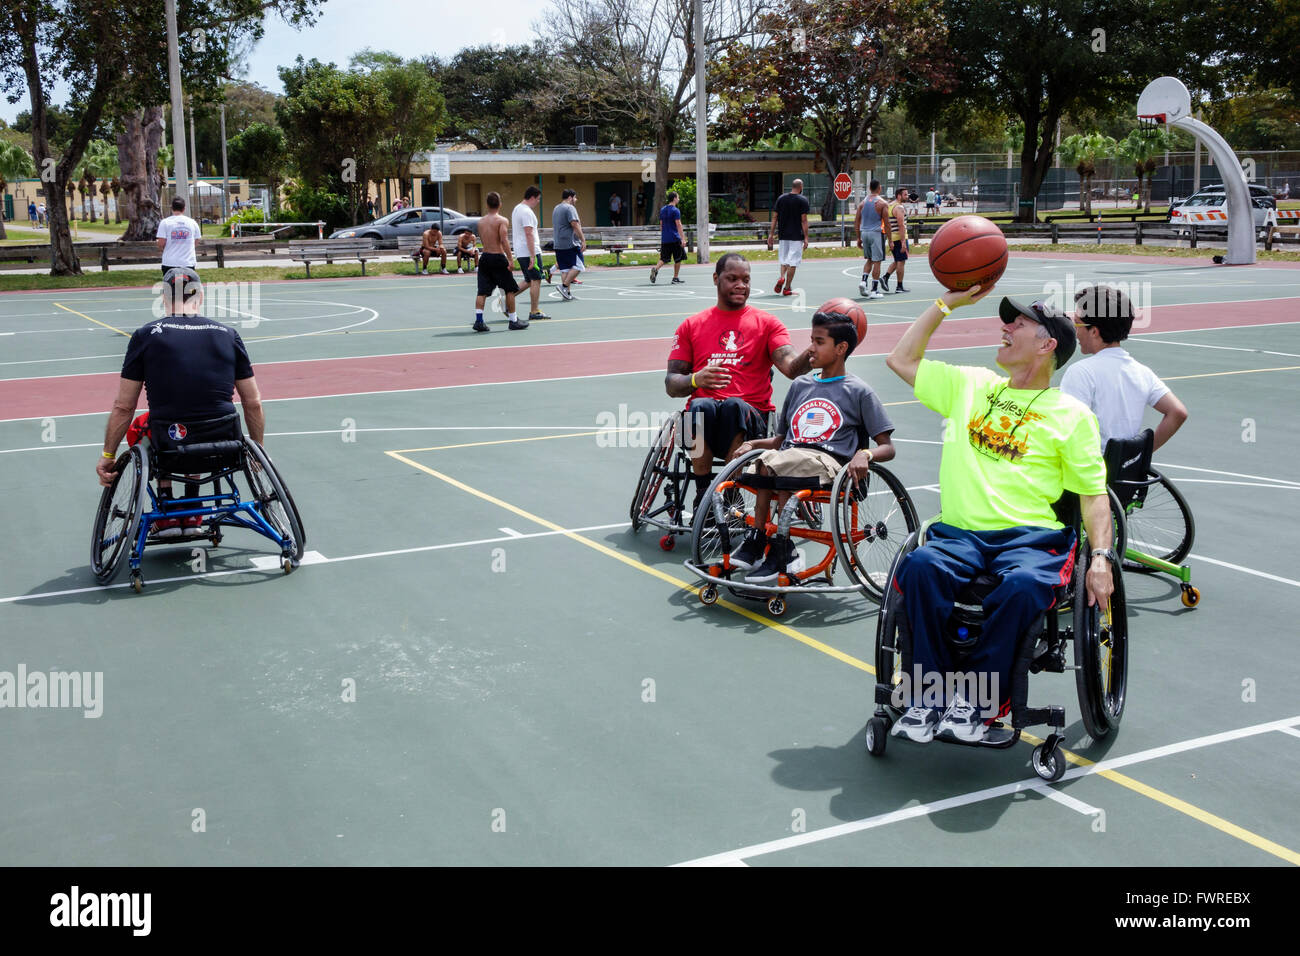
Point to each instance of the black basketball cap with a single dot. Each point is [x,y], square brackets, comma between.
[1049,317]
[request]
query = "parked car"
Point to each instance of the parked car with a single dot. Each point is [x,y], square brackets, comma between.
[1214,198]
[410,222]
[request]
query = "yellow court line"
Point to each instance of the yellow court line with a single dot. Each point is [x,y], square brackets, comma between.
[1243,371]
[89,319]
[1182,806]
[633,563]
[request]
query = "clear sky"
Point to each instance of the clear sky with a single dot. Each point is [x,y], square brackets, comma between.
[409,28]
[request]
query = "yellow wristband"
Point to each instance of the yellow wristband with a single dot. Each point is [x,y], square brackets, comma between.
[109,454]
[943,306]
[693,385]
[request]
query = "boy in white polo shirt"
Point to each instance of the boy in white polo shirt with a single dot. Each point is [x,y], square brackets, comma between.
[1116,386]
[176,235]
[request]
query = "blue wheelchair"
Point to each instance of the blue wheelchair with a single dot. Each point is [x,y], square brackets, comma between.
[132,515]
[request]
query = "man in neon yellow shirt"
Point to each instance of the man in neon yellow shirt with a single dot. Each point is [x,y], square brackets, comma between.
[1013,445]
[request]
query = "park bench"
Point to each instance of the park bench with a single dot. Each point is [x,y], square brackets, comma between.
[308,251]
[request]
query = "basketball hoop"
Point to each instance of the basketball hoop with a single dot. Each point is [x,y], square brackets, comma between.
[1151,122]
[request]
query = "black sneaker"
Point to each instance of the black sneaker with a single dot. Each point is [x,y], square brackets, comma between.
[654,274]
[782,558]
[678,281]
[481,327]
[750,551]
[534,316]
[884,283]
[518,324]
[901,289]
[565,294]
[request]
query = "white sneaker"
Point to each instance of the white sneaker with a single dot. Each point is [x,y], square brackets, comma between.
[962,721]
[862,290]
[917,725]
[424,272]
[875,294]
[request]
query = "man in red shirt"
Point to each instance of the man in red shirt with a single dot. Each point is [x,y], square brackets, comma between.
[722,358]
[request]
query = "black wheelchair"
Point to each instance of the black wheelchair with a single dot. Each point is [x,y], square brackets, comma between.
[199,453]
[667,485]
[868,522]
[1098,640]
[1158,529]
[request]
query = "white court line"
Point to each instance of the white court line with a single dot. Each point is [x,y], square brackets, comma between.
[1225,348]
[320,560]
[1230,474]
[511,531]
[1290,730]
[1067,801]
[1244,484]
[925,809]
[1244,570]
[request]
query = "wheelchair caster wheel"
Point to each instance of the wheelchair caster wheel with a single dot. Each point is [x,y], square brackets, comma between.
[708,595]
[1191,596]
[667,542]
[877,734]
[137,582]
[287,563]
[776,606]
[1051,767]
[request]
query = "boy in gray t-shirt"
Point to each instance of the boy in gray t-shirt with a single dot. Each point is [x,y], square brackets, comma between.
[827,423]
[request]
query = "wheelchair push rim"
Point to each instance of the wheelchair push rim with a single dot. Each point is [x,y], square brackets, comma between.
[275,503]
[117,520]
[1100,655]
[870,525]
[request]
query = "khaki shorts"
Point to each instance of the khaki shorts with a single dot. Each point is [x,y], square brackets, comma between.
[802,463]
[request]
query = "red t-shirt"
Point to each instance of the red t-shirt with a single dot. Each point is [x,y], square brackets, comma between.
[742,341]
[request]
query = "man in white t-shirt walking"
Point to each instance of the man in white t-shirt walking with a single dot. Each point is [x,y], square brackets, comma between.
[526,244]
[176,235]
[1116,386]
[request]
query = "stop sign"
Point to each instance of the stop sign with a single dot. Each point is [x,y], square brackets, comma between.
[843,186]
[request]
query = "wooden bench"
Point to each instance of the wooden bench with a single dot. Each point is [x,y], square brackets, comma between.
[308,251]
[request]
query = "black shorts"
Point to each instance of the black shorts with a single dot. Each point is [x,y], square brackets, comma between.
[565,259]
[494,273]
[531,272]
[719,421]
[470,253]
[672,252]
[899,249]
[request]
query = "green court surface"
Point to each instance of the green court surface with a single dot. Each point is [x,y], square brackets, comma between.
[535,683]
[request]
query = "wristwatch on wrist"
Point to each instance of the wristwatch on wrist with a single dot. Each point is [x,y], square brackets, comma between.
[1106,553]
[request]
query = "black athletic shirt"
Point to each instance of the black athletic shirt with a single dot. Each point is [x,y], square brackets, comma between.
[790,210]
[189,366]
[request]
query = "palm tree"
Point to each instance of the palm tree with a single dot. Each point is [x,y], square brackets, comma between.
[99,160]
[15,163]
[1141,146]
[1083,150]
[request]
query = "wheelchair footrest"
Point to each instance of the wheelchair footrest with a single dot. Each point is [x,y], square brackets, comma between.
[1053,716]
[884,694]
[999,737]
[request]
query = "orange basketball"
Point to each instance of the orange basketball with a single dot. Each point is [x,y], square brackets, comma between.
[848,307]
[967,251]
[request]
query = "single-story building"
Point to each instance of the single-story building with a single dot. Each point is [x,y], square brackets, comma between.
[752,180]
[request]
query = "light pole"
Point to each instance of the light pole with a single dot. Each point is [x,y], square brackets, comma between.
[179,163]
[701,142]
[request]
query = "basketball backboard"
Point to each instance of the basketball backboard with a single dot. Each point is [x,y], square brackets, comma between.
[1164,100]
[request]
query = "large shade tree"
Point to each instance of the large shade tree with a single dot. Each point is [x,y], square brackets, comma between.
[114,60]
[823,70]
[636,59]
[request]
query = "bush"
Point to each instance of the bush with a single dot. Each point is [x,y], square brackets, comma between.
[309,204]
[244,215]
[724,211]
[685,188]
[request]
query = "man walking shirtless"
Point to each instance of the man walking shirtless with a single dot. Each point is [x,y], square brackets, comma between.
[494,270]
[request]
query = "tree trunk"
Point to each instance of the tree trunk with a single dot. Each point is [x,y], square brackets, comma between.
[3,186]
[663,151]
[832,158]
[63,256]
[1034,161]
[88,200]
[137,155]
[117,203]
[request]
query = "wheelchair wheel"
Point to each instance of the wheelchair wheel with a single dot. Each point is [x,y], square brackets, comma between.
[1119,536]
[277,505]
[1160,524]
[870,521]
[889,655]
[1100,655]
[653,470]
[117,522]
[711,540]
